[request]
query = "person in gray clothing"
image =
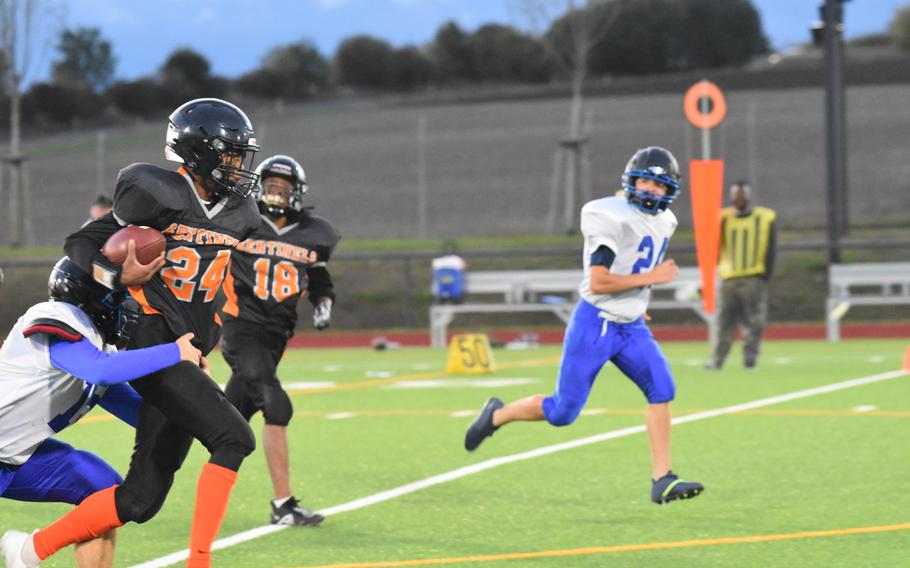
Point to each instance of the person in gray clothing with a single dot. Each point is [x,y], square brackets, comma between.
[746,262]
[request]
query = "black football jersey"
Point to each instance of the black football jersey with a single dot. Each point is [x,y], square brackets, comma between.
[199,240]
[269,271]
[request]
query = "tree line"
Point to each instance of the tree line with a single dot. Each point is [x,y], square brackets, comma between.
[643,37]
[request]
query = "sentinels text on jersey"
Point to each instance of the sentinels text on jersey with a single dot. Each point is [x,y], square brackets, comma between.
[199,237]
[269,272]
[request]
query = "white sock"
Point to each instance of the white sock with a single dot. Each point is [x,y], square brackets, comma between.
[280,502]
[27,552]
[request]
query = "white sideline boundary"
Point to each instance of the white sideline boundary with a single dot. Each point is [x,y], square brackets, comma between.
[390,494]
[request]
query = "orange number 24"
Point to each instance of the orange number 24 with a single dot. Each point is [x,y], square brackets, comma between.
[180,277]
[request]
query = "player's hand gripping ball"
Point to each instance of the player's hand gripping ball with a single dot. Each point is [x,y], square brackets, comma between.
[149,244]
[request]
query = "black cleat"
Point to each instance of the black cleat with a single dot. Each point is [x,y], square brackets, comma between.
[292,514]
[482,427]
[670,488]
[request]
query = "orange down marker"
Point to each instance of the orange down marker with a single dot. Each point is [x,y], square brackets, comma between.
[707,187]
[705,107]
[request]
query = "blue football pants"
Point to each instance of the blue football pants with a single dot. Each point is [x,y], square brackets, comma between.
[57,473]
[590,342]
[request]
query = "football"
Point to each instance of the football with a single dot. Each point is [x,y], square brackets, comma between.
[149,244]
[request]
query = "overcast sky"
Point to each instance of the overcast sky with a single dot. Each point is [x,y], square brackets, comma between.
[235,34]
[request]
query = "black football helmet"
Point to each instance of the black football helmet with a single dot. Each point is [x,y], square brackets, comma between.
[290,169]
[654,163]
[202,132]
[115,314]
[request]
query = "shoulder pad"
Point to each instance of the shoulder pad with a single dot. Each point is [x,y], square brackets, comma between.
[53,328]
[612,208]
[320,231]
[145,192]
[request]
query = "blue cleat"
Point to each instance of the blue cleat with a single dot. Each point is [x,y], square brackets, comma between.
[482,427]
[670,488]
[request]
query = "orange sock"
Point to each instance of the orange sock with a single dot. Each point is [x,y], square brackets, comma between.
[96,515]
[212,494]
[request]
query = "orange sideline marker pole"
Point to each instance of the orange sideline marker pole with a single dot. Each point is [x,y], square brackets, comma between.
[707,181]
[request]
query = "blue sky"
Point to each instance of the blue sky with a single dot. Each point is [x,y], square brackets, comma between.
[235,34]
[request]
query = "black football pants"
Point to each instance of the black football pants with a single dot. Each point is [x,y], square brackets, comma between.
[253,354]
[180,403]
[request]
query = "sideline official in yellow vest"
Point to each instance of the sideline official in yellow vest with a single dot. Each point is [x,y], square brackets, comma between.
[747,243]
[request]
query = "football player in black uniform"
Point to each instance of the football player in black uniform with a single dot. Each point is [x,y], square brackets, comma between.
[204,210]
[282,261]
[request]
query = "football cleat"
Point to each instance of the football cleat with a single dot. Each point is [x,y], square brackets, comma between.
[670,488]
[292,514]
[482,427]
[12,544]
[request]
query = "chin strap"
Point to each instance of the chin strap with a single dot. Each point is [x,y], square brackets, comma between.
[275,215]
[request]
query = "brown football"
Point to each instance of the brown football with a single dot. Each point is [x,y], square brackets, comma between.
[149,244]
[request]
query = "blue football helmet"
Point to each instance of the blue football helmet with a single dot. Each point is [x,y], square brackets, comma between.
[115,314]
[654,163]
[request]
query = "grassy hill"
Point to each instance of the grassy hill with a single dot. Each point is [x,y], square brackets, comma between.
[489,165]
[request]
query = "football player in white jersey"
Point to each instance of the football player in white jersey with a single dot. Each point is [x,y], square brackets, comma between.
[59,360]
[625,241]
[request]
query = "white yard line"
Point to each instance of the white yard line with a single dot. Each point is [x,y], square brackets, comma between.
[340,415]
[308,385]
[390,494]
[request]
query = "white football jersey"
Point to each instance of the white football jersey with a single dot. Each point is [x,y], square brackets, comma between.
[639,241]
[36,398]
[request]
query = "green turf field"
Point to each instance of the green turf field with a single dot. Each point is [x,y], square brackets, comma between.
[818,481]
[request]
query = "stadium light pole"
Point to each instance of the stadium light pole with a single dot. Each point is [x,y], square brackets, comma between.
[829,32]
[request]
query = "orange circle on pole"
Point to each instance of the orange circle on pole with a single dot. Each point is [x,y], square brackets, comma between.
[694,96]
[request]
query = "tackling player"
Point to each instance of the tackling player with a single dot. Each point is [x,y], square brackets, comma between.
[203,209]
[625,241]
[58,362]
[282,261]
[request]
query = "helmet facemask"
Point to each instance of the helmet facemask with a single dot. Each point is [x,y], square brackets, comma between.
[234,171]
[121,319]
[649,202]
[275,195]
